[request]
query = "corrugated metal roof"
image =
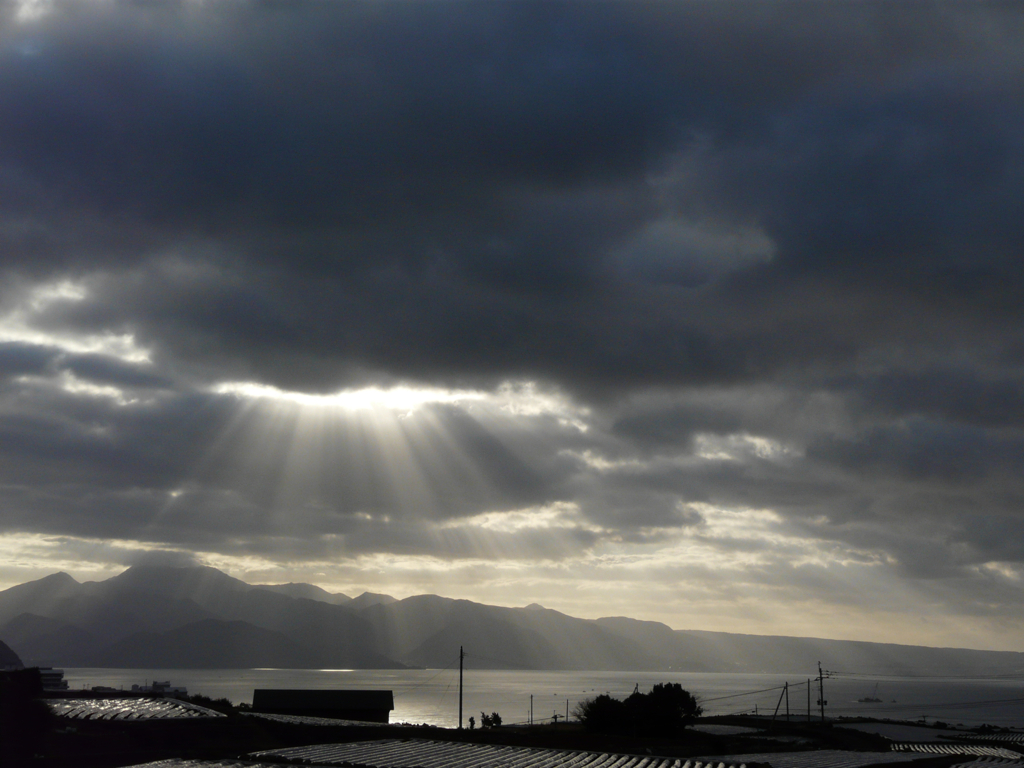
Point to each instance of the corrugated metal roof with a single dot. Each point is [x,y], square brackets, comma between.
[990,762]
[956,749]
[561,759]
[1013,738]
[127,709]
[177,762]
[417,753]
[822,758]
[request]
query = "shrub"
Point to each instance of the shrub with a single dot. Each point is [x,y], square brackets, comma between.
[601,714]
[665,711]
[492,720]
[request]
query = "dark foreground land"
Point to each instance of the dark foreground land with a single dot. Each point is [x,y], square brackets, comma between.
[113,744]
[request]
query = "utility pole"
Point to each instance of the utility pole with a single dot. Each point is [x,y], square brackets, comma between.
[531,709]
[808,699]
[462,655]
[779,704]
[785,693]
[821,692]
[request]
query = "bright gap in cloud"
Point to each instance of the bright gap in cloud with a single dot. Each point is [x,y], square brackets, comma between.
[396,398]
[419,452]
[516,399]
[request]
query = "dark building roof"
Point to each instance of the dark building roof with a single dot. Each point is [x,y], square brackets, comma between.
[374,705]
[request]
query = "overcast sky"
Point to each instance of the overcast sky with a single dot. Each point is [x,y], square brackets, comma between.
[710,313]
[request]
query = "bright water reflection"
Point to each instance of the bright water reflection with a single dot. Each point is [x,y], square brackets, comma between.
[431,696]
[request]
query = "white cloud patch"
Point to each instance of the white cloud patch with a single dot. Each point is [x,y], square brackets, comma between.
[29,10]
[739,447]
[594,460]
[558,515]
[73,385]
[25,319]
[527,399]
[1012,572]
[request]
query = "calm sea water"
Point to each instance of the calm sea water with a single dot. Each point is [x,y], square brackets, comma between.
[431,696]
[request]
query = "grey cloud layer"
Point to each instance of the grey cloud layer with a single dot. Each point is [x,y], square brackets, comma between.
[792,221]
[347,172]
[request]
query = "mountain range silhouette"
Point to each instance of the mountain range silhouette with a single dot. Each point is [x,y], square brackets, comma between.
[199,617]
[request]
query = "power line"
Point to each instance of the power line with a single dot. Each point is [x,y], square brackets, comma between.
[747,693]
[424,682]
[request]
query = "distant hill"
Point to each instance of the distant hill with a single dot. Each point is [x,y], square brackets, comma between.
[48,642]
[209,644]
[158,616]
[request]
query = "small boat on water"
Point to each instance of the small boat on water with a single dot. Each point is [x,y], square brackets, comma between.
[872,699]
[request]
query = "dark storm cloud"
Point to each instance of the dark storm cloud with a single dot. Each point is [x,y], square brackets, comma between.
[59,438]
[19,359]
[469,167]
[936,453]
[675,426]
[211,118]
[101,369]
[22,359]
[969,396]
[775,247]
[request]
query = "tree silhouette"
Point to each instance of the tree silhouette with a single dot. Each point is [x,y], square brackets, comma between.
[665,711]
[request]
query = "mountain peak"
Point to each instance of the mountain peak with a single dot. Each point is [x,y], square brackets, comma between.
[175,581]
[60,577]
[367,599]
[535,607]
[55,583]
[39,596]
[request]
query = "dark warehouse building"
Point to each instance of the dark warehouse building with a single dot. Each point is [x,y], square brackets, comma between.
[369,706]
